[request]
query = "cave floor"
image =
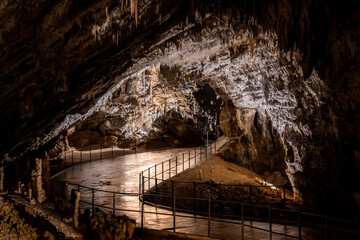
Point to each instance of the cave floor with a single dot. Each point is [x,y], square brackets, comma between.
[122,174]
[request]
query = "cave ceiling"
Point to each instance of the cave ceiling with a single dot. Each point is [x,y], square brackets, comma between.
[62,60]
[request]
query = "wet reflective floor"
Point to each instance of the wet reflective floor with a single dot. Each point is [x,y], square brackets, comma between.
[121,174]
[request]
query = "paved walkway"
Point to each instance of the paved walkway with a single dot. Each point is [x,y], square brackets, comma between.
[121,174]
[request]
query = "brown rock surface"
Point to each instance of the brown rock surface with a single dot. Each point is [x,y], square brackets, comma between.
[12,226]
[107,226]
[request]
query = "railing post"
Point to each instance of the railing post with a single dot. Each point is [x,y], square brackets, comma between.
[139,184]
[189,159]
[156,187]
[183,162]
[270,223]
[72,157]
[80,155]
[176,163]
[195,156]
[93,200]
[174,215]
[172,187]
[65,158]
[149,179]
[162,171]
[142,204]
[169,168]
[299,224]
[284,192]
[209,217]
[113,203]
[242,221]
[206,152]
[90,153]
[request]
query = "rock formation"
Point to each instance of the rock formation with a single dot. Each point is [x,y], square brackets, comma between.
[12,225]
[108,226]
[31,198]
[40,192]
[77,210]
[255,143]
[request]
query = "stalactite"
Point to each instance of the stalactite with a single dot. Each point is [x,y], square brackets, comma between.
[134,10]
[251,46]
[136,14]
[197,15]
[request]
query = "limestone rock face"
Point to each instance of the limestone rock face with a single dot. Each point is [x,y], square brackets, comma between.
[107,226]
[12,226]
[254,144]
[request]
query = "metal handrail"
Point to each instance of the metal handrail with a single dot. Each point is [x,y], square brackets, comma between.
[141,195]
[207,215]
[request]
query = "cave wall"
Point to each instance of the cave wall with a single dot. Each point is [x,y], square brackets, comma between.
[254,143]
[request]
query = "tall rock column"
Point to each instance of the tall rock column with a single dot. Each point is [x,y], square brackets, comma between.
[40,190]
[77,210]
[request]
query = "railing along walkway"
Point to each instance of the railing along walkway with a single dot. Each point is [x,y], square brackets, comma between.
[268,221]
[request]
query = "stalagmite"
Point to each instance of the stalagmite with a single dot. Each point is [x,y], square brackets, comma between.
[40,190]
[33,182]
[31,199]
[76,210]
[19,189]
